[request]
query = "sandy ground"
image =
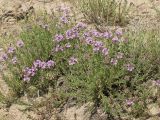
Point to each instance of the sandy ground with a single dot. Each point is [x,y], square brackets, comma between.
[144,16]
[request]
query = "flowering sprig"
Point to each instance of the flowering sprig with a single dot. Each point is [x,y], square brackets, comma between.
[10,51]
[37,65]
[4,57]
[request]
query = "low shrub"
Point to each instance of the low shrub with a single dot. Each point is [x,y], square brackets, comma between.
[112,69]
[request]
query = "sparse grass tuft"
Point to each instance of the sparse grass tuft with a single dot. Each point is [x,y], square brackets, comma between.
[106,12]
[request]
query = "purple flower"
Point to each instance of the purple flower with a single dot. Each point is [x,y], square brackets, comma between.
[28,72]
[4,57]
[75,29]
[81,25]
[129,102]
[97,46]
[114,61]
[43,65]
[11,49]
[72,61]
[31,71]
[96,33]
[37,63]
[105,51]
[106,35]
[58,48]
[50,64]
[130,67]
[20,43]
[59,38]
[71,34]
[119,31]
[120,55]
[89,40]
[14,60]
[67,45]
[115,39]
[64,19]
[86,34]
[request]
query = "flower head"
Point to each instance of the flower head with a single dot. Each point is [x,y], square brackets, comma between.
[4,57]
[64,19]
[59,38]
[86,34]
[14,60]
[81,25]
[43,65]
[106,35]
[28,72]
[115,39]
[71,34]
[119,31]
[89,40]
[114,61]
[32,71]
[50,64]
[58,48]
[20,43]
[98,45]
[37,63]
[11,49]
[105,51]
[67,45]
[72,61]
[95,33]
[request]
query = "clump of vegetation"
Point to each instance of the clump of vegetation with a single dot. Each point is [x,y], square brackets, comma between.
[112,69]
[106,12]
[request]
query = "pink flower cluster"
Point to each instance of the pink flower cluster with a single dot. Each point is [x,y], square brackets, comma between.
[10,51]
[97,34]
[88,38]
[38,64]
[97,46]
[71,33]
